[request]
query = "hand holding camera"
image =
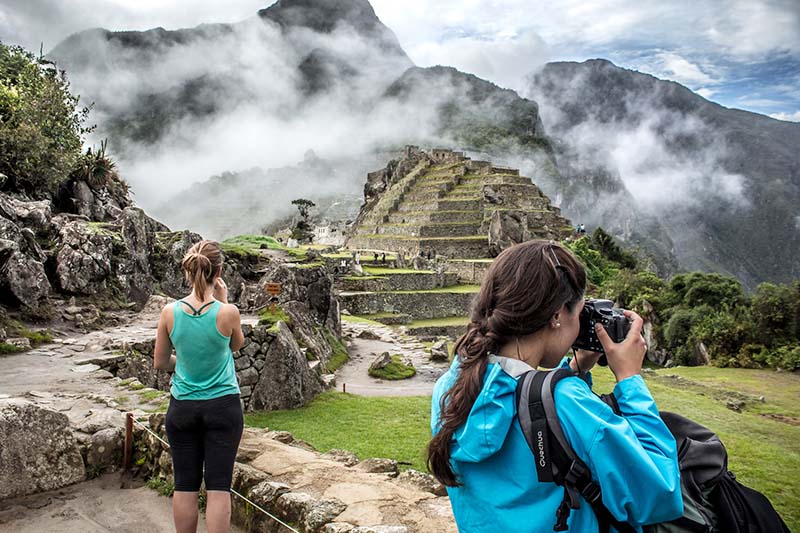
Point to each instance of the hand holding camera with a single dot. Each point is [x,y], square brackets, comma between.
[220,290]
[616,333]
[624,358]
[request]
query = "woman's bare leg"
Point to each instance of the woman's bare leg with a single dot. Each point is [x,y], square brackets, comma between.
[218,511]
[184,511]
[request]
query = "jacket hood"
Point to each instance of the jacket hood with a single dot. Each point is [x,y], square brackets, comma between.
[490,418]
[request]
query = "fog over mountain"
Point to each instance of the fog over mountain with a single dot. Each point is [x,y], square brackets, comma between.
[694,184]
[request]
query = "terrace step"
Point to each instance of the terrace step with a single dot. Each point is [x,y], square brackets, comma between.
[436,216]
[452,327]
[453,301]
[456,229]
[413,280]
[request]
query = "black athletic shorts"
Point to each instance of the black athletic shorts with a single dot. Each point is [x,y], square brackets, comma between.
[204,432]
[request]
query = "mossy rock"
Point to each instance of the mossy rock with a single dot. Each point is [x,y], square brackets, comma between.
[394,370]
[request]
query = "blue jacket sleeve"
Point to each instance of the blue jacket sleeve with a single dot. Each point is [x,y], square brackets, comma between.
[633,456]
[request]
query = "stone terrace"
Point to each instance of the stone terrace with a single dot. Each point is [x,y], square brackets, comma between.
[452,206]
[461,211]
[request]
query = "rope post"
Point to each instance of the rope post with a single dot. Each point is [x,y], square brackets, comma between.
[126,465]
[344,387]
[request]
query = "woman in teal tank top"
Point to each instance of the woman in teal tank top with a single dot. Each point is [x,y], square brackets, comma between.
[204,421]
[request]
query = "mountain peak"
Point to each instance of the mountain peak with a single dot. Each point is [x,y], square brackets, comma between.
[322,15]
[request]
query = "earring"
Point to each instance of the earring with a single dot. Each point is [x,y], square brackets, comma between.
[558,324]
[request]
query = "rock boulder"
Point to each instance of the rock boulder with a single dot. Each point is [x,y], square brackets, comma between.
[38,451]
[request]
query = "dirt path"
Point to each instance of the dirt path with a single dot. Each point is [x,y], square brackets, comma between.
[363,351]
[95,506]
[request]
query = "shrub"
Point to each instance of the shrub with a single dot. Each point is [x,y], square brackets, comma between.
[631,290]
[773,310]
[605,244]
[723,336]
[40,124]
[700,288]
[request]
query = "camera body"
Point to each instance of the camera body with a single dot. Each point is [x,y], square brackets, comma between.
[612,319]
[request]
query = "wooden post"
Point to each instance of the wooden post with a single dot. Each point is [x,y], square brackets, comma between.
[344,387]
[128,441]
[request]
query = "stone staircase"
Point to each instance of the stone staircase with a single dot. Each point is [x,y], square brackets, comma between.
[447,206]
[440,203]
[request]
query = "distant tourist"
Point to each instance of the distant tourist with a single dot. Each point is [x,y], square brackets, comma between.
[383,258]
[204,420]
[525,316]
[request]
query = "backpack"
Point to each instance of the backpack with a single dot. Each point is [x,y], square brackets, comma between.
[713,500]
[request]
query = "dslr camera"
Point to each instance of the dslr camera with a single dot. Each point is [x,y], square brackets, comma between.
[604,312]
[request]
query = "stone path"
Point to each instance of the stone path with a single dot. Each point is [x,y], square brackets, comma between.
[96,506]
[363,351]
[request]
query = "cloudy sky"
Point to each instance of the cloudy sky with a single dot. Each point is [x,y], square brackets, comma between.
[740,53]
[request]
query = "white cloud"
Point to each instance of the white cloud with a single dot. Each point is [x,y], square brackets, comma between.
[681,70]
[705,92]
[499,58]
[790,117]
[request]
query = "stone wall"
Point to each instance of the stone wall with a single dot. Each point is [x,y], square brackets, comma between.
[417,304]
[468,271]
[273,370]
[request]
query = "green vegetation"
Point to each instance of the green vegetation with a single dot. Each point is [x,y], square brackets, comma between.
[41,127]
[452,289]
[763,438]
[249,245]
[303,229]
[270,317]
[699,315]
[355,319]
[402,433]
[395,370]
[7,349]
[379,271]
[340,355]
[150,395]
[162,486]
[444,321]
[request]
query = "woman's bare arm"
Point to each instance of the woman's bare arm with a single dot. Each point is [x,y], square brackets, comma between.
[237,337]
[162,355]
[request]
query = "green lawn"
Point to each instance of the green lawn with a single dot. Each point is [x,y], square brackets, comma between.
[445,321]
[764,452]
[397,428]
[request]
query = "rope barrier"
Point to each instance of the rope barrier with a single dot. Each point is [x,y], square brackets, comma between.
[278,520]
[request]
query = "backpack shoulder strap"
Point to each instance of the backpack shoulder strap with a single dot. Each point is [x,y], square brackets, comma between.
[555,459]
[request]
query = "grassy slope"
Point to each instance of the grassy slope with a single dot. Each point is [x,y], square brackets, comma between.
[764,453]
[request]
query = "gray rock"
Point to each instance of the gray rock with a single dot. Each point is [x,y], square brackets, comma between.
[247,377]
[337,527]
[266,492]
[322,513]
[246,477]
[342,456]
[368,335]
[38,451]
[135,272]
[97,420]
[105,448]
[250,350]
[170,248]
[83,258]
[378,466]
[439,351]
[380,529]
[242,362]
[422,481]
[380,361]
[24,277]
[285,380]
[19,342]
[294,506]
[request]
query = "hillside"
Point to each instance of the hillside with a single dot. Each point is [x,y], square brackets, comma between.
[724,183]
[690,183]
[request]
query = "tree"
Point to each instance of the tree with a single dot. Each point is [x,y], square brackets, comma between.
[41,126]
[303,228]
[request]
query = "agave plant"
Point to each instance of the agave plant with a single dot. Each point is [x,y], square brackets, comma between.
[96,168]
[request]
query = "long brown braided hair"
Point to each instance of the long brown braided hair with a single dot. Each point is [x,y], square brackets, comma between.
[522,290]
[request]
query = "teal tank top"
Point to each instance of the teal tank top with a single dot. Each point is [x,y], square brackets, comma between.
[204,367]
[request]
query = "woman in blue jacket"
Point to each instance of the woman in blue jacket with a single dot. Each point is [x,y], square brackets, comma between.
[528,309]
